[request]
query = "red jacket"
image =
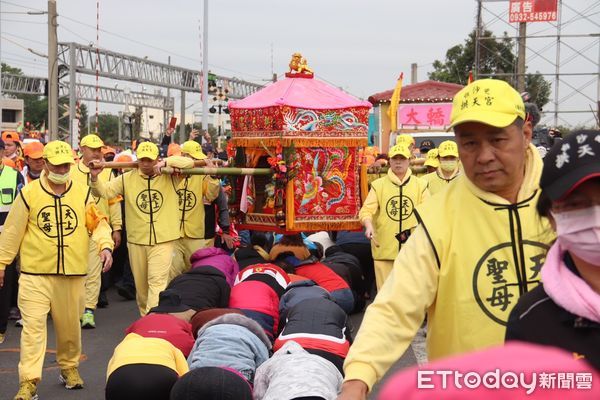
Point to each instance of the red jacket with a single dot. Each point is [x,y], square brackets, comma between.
[165,326]
[322,275]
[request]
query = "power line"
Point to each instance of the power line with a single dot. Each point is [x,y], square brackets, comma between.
[159,48]
[22,22]
[75,33]
[24,38]
[19,5]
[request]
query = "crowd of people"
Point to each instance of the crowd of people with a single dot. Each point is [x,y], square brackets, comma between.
[476,243]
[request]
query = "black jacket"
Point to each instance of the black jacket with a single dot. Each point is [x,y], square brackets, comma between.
[201,288]
[538,319]
[348,267]
[317,316]
[246,256]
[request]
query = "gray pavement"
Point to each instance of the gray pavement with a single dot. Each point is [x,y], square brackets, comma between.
[98,346]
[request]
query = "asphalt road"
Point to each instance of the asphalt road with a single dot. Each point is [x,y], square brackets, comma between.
[98,345]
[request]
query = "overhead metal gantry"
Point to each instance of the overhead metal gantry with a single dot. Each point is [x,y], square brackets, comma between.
[21,84]
[119,96]
[124,67]
[90,60]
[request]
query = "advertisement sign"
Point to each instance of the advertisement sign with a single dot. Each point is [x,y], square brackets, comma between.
[532,10]
[424,115]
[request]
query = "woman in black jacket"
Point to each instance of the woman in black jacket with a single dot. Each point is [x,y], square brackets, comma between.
[564,311]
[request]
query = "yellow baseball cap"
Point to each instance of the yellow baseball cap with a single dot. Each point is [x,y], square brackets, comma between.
[405,139]
[399,150]
[448,148]
[58,152]
[488,101]
[147,150]
[194,149]
[432,159]
[92,141]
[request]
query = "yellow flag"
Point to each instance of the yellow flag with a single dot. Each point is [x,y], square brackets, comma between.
[394,101]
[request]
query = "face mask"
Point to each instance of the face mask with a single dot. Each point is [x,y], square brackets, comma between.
[579,233]
[448,165]
[58,178]
[33,174]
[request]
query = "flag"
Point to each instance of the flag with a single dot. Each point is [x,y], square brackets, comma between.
[394,101]
[470,80]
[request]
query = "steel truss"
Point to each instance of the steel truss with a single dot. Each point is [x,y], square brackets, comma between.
[572,65]
[124,67]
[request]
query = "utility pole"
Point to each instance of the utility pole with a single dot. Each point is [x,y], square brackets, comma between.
[557,68]
[73,121]
[477,39]
[205,68]
[52,72]
[165,111]
[413,73]
[521,57]
[182,122]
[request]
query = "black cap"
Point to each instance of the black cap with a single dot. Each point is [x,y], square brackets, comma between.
[426,145]
[571,162]
[169,301]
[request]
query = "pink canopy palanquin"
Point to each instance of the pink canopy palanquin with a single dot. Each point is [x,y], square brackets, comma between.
[300,110]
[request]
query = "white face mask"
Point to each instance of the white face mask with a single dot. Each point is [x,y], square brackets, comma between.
[58,179]
[579,233]
[448,165]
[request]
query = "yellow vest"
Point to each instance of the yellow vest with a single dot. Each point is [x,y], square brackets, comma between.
[80,173]
[56,238]
[151,208]
[191,207]
[437,182]
[489,253]
[395,215]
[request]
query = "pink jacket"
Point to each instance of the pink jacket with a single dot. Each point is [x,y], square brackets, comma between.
[217,258]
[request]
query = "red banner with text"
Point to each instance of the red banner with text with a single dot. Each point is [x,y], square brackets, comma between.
[533,10]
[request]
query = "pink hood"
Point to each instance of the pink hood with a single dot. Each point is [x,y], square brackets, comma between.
[217,258]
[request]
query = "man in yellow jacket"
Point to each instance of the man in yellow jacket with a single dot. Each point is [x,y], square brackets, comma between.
[479,246]
[448,169]
[49,225]
[151,207]
[388,211]
[91,150]
[194,191]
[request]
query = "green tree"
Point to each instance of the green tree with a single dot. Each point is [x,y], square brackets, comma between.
[496,58]
[108,128]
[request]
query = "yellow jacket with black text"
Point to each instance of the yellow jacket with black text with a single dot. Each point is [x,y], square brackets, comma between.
[437,182]
[111,208]
[192,192]
[465,265]
[151,203]
[390,204]
[53,231]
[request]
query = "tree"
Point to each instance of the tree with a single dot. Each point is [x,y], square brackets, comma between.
[108,128]
[496,58]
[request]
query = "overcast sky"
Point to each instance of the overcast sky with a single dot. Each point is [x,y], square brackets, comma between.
[358,45]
